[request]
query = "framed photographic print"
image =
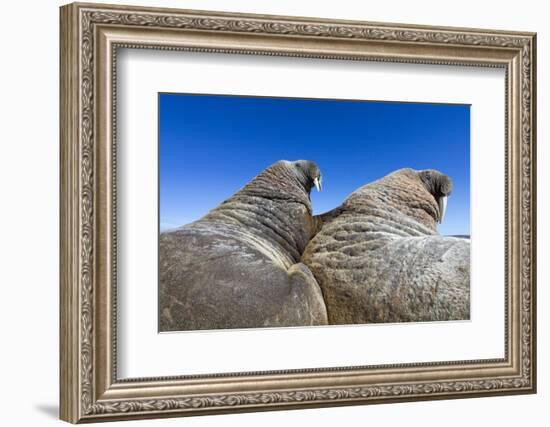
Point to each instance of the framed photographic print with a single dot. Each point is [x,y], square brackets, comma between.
[265,212]
[375,257]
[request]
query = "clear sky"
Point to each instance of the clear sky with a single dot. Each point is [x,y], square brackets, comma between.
[210,146]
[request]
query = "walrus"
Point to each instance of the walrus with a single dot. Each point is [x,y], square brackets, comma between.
[239,265]
[378,256]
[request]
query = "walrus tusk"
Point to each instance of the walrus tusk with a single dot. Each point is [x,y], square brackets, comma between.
[442,207]
[317,183]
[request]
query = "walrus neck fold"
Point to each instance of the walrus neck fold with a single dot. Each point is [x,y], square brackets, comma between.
[282,182]
[275,207]
[401,192]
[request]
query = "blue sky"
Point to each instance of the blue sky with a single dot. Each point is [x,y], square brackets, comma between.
[210,146]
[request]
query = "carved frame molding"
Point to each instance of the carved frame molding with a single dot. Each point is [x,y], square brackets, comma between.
[90,36]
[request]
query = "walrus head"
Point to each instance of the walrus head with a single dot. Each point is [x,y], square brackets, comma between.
[439,186]
[284,181]
[308,174]
[420,195]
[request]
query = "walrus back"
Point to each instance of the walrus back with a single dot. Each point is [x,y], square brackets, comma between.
[375,276]
[214,277]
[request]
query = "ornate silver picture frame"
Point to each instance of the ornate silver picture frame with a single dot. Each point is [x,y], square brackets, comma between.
[91,36]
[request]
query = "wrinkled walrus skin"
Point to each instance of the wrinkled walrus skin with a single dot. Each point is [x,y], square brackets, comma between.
[239,266]
[378,257]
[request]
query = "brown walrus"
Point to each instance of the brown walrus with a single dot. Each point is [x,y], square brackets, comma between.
[239,266]
[378,257]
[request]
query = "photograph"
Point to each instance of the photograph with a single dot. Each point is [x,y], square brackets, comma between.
[298,212]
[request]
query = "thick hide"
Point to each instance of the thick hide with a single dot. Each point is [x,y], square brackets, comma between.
[378,257]
[239,266]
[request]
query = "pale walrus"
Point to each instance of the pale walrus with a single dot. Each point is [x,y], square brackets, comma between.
[378,257]
[239,266]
